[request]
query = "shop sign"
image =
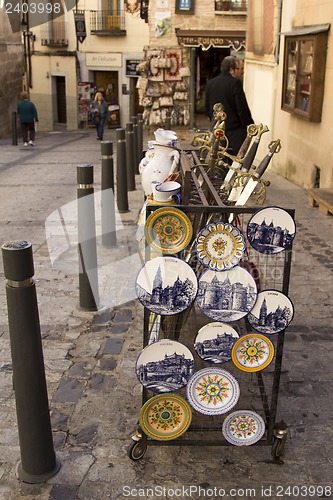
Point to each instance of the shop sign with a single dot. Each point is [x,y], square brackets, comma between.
[131,65]
[103,59]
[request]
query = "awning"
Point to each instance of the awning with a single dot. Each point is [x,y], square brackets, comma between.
[307,30]
[211,38]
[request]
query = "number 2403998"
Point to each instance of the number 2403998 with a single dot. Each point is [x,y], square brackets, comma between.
[33,8]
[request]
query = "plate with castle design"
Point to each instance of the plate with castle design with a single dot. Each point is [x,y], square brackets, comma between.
[252,352]
[165,417]
[212,391]
[272,312]
[226,296]
[214,342]
[164,366]
[243,427]
[271,230]
[166,285]
[168,230]
[220,246]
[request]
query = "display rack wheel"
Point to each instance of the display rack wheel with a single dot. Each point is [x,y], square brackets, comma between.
[137,449]
[277,449]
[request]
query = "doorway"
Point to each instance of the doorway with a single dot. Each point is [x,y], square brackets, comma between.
[61,111]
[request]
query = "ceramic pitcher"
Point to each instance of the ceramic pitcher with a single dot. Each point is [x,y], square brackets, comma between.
[163,163]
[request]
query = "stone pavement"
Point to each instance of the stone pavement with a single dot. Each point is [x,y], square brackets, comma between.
[94,395]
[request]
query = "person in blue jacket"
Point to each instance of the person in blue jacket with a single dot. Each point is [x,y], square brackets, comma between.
[28,116]
[100,112]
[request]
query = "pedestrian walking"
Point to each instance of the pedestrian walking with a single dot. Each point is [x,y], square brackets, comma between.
[100,112]
[227,89]
[28,116]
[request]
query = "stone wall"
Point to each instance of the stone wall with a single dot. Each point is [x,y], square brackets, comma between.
[11,72]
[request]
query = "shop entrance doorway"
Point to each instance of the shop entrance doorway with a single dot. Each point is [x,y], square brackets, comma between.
[107,83]
[61,112]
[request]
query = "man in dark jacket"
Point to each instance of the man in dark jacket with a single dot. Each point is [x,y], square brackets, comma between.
[27,113]
[228,90]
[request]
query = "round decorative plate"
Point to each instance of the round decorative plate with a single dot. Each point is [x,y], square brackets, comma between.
[164,366]
[220,246]
[168,230]
[166,285]
[165,417]
[252,352]
[272,312]
[212,391]
[243,427]
[271,230]
[214,342]
[226,296]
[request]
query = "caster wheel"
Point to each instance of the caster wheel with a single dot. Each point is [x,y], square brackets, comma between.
[277,450]
[136,450]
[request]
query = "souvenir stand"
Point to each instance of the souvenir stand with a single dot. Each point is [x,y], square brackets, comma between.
[208,418]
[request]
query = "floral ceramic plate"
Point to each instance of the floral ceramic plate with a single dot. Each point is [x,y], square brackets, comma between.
[252,352]
[166,285]
[220,246]
[168,230]
[214,342]
[165,417]
[226,296]
[212,391]
[271,230]
[243,427]
[272,312]
[164,366]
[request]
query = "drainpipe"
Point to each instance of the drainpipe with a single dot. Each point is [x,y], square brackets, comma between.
[278,32]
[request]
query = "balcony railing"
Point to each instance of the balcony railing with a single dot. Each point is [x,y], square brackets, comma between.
[54,34]
[103,22]
[230,5]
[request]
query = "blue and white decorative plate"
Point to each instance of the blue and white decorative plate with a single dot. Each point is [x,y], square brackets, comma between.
[212,391]
[272,312]
[214,342]
[166,285]
[226,296]
[220,246]
[271,230]
[243,427]
[164,366]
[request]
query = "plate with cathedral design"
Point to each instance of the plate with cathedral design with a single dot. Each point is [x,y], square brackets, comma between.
[220,246]
[165,417]
[166,285]
[212,391]
[252,352]
[243,427]
[272,312]
[271,230]
[226,296]
[214,342]
[164,366]
[168,230]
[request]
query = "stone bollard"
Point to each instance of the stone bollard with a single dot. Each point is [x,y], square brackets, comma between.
[38,460]
[109,235]
[88,277]
[122,196]
[130,157]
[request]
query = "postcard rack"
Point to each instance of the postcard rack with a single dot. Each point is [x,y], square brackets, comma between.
[259,391]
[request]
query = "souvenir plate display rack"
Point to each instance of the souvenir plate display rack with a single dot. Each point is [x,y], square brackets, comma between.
[252,402]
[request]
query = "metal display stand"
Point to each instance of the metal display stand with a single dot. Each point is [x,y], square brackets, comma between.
[259,391]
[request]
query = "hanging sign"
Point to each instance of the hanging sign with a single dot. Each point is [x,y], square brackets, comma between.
[80,26]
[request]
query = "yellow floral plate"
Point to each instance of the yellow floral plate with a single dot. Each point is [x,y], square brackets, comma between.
[252,352]
[165,417]
[220,246]
[168,230]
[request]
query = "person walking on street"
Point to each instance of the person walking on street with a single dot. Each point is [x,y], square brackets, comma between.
[239,71]
[100,113]
[28,116]
[228,90]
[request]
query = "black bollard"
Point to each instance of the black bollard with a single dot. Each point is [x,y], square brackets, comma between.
[168,121]
[38,460]
[130,157]
[134,119]
[88,277]
[109,235]
[122,196]
[14,128]
[140,136]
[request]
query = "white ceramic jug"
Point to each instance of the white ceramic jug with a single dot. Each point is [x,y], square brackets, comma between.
[163,163]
